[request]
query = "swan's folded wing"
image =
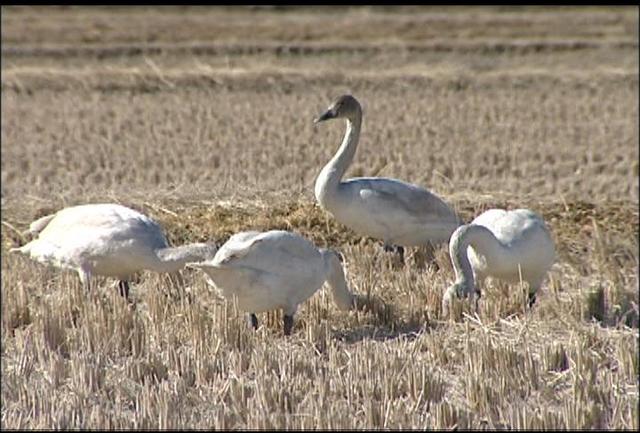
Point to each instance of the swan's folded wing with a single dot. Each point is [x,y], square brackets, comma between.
[235,251]
[290,245]
[489,217]
[406,201]
[281,252]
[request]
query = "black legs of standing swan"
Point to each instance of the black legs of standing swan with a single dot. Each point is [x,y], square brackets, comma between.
[430,259]
[398,249]
[252,321]
[288,324]
[532,299]
[123,288]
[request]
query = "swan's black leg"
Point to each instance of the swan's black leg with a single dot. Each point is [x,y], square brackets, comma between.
[123,287]
[288,324]
[475,297]
[252,320]
[398,249]
[532,299]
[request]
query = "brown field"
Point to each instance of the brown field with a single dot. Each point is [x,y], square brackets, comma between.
[202,118]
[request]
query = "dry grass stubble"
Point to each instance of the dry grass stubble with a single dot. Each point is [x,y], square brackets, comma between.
[184,357]
[541,116]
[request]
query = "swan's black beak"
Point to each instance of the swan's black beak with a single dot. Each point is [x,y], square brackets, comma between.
[329,114]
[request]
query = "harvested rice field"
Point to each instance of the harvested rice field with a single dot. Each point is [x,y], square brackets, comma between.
[202,118]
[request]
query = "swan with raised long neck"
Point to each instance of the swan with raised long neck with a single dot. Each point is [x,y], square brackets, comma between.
[272,270]
[395,212]
[511,245]
[109,240]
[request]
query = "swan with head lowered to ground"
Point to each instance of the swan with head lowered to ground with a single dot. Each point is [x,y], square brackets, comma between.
[272,270]
[109,240]
[398,213]
[513,246]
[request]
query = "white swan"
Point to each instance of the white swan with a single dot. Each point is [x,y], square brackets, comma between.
[109,240]
[276,269]
[396,212]
[510,245]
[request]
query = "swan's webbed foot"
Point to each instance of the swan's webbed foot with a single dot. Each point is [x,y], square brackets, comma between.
[252,320]
[123,288]
[288,324]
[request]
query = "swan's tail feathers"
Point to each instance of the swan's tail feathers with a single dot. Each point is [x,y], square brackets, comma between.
[38,225]
[34,228]
[39,250]
[25,249]
[342,296]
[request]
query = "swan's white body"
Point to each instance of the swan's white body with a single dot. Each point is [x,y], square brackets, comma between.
[510,245]
[277,269]
[396,212]
[109,240]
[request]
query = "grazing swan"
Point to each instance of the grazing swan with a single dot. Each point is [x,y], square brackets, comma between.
[109,240]
[510,245]
[275,269]
[396,212]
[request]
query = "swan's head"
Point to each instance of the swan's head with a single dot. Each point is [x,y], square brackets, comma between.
[455,291]
[345,106]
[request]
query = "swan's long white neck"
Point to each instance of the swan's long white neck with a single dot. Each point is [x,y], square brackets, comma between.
[482,240]
[173,259]
[342,296]
[331,175]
